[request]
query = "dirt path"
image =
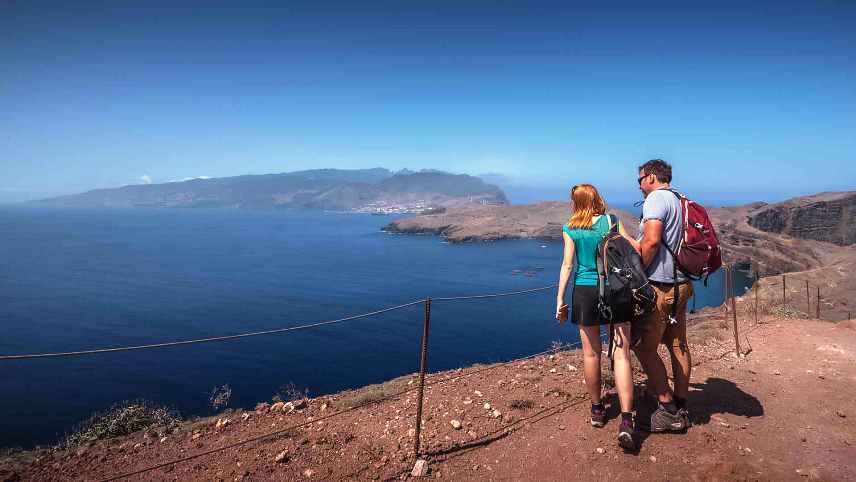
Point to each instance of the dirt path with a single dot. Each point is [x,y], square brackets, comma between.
[784,412]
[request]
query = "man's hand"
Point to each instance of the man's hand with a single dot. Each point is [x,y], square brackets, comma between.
[652,236]
[629,238]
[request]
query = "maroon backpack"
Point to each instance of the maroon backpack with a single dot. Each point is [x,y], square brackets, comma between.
[698,255]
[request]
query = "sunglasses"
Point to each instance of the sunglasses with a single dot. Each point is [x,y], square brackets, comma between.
[640,179]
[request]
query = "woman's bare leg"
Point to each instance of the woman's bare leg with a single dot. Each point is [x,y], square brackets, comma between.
[590,336]
[623,370]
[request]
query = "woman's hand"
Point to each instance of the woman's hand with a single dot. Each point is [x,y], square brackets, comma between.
[561,310]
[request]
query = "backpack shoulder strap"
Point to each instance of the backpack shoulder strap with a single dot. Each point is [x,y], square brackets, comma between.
[601,274]
[613,223]
[675,192]
[674,311]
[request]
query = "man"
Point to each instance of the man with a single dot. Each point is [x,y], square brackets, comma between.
[662,222]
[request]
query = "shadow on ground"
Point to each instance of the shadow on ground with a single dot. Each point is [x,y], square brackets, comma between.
[717,395]
[714,396]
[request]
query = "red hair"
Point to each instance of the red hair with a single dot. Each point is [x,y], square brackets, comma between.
[587,204]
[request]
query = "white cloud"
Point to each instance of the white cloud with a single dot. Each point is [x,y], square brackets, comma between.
[146,179]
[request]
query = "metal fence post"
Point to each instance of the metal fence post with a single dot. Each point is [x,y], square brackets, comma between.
[757,280]
[818,303]
[423,368]
[784,290]
[729,285]
[807,299]
[725,278]
[734,312]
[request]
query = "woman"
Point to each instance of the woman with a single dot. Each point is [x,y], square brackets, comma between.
[588,224]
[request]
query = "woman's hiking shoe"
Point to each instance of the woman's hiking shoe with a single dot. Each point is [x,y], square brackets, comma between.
[598,416]
[625,434]
[664,421]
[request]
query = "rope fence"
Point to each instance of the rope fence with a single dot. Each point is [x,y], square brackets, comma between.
[204,340]
[264,332]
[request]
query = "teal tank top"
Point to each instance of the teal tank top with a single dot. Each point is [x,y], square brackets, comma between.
[585,250]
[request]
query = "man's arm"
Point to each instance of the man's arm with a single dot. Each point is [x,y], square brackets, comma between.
[651,238]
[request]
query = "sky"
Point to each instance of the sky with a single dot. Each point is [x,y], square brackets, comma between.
[747,102]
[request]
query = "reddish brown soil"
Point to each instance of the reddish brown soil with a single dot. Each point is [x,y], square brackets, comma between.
[784,412]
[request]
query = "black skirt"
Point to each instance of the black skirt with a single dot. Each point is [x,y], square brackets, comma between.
[584,310]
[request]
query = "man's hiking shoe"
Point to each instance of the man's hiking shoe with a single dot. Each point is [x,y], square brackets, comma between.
[598,416]
[625,435]
[663,421]
[685,414]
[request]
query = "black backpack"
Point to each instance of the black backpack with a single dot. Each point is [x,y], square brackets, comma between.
[624,294]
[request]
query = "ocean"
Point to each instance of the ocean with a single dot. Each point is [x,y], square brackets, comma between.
[83,279]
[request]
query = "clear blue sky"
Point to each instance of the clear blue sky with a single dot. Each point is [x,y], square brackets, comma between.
[747,102]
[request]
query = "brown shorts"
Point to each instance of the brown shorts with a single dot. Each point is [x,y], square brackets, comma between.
[656,328]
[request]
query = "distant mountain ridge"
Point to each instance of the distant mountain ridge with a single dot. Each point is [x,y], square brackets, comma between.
[333,189]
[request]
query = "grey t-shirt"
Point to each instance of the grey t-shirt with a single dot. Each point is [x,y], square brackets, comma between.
[664,205]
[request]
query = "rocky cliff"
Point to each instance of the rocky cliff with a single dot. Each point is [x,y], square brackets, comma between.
[829,217]
[795,235]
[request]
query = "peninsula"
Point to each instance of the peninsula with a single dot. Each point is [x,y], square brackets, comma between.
[542,220]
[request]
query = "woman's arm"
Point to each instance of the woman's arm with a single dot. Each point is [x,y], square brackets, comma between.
[565,271]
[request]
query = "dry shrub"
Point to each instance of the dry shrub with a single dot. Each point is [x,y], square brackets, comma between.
[220,397]
[788,312]
[289,393]
[121,419]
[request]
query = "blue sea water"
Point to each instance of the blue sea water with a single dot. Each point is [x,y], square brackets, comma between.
[82,279]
